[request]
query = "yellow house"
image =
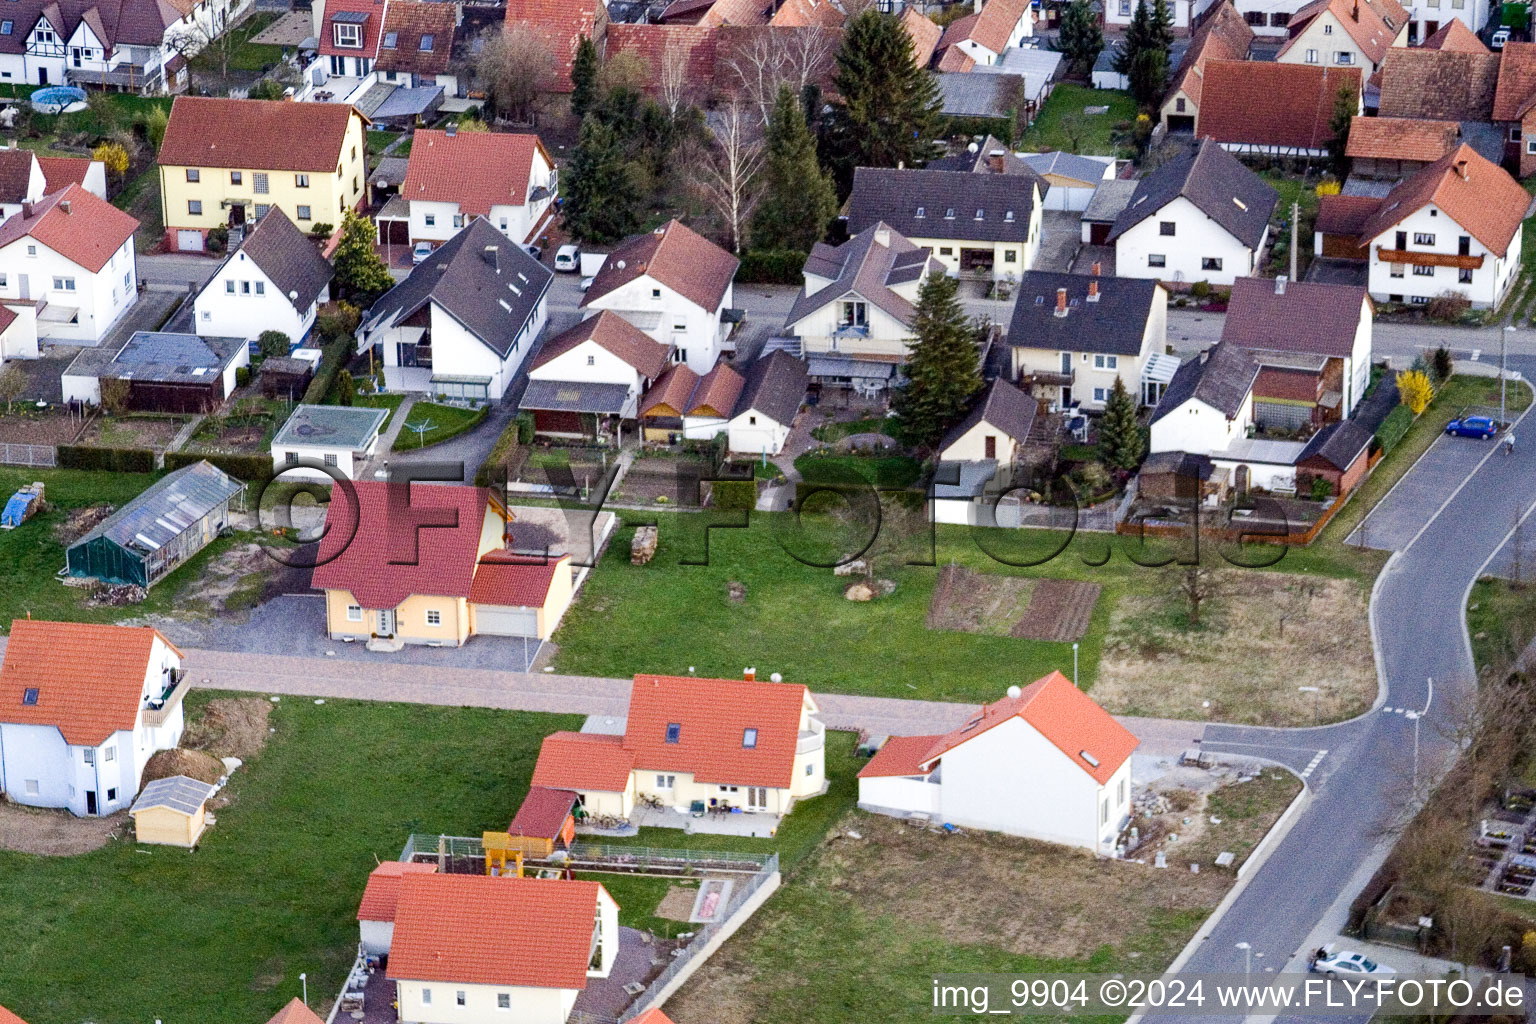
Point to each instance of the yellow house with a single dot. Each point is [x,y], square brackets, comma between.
[429,564]
[172,811]
[225,163]
[995,428]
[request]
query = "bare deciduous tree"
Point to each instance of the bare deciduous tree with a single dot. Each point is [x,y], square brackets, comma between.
[1196,585]
[728,172]
[673,78]
[514,66]
[767,58]
[12,383]
[809,53]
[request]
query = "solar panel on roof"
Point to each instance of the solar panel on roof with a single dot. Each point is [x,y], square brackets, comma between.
[350,17]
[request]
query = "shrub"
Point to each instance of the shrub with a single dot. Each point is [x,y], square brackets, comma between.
[267,89]
[1448,305]
[734,494]
[242,376]
[322,230]
[1329,188]
[273,343]
[111,460]
[1393,428]
[1200,289]
[1441,363]
[524,423]
[1322,488]
[250,468]
[771,266]
[502,451]
[218,239]
[1414,390]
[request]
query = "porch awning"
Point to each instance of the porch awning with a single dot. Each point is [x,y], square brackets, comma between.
[1160,368]
[575,396]
[845,366]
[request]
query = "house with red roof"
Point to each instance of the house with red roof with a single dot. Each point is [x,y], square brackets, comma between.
[560,26]
[82,709]
[996,27]
[433,564]
[1045,762]
[376,912]
[592,374]
[505,177]
[293,1012]
[482,948]
[350,31]
[723,746]
[71,255]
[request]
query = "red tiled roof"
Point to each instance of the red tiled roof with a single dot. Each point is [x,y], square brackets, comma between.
[1372,24]
[207,131]
[675,255]
[15,174]
[952,58]
[958,29]
[294,1013]
[1063,714]
[1487,204]
[713,715]
[1306,317]
[412,22]
[374,9]
[89,679]
[807,13]
[652,1017]
[655,45]
[7,1017]
[1271,104]
[1517,81]
[583,761]
[543,812]
[479,930]
[613,333]
[560,24]
[1401,138]
[717,392]
[1456,37]
[1224,35]
[1286,385]
[738,48]
[477,170]
[924,33]
[901,756]
[518,581]
[997,21]
[671,391]
[373,548]
[736,12]
[74,223]
[1445,85]
[59,171]
[1344,215]
[382,893]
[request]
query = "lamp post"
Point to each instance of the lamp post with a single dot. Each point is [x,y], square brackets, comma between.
[304,980]
[1247,949]
[1074,666]
[1317,696]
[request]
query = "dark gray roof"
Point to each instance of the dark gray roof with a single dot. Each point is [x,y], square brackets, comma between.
[963,480]
[966,94]
[1068,165]
[1114,325]
[160,356]
[179,793]
[980,160]
[1003,406]
[1338,444]
[481,278]
[1109,199]
[775,387]
[285,365]
[1213,180]
[574,396]
[1179,463]
[287,256]
[943,204]
[866,266]
[167,508]
[1221,378]
[333,426]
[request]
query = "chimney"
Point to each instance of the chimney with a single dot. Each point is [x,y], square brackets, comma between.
[27,208]
[1280,285]
[492,257]
[883,236]
[64,205]
[995,161]
[1093,291]
[1461,169]
[1061,302]
[1098,268]
[749,674]
[1355,12]
[451,130]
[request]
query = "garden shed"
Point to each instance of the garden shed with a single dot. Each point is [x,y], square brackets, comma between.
[172,811]
[172,520]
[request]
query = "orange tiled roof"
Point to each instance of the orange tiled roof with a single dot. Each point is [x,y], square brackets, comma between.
[613,333]
[255,135]
[736,12]
[1486,203]
[1456,37]
[1372,24]
[652,1017]
[807,14]
[89,679]
[1517,82]
[479,930]
[717,392]
[670,394]
[901,756]
[712,715]
[294,1013]
[675,255]
[559,24]
[1401,138]
[952,58]
[78,225]
[996,23]
[583,761]
[1266,103]
[477,170]
[925,35]
[7,1017]
[382,893]
[59,171]
[519,581]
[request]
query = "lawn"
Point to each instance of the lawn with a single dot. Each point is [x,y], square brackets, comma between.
[430,423]
[223,933]
[379,140]
[244,54]
[379,400]
[1063,125]
[141,198]
[1501,619]
[835,430]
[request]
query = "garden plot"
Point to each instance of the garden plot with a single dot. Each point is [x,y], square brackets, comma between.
[154,432]
[1016,606]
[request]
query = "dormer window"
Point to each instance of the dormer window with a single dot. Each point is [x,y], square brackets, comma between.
[979,214]
[949,214]
[674,732]
[749,739]
[921,213]
[347,29]
[1008,217]
[29,696]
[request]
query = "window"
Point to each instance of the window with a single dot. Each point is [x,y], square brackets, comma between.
[1396,270]
[1167,228]
[259,182]
[1156,260]
[1327,30]
[31,787]
[390,38]
[301,181]
[90,756]
[1423,238]
[1530,145]
[349,36]
[749,739]
[6,27]
[193,174]
[261,287]
[1104,813]
[855,314]
[1311,56]
[1210,263]
[921,213]
[431,220]
[674,731]
[229,287]
[459,997]
[591,360]
[291,458]
[1514,133]
[655,293]
[64,284]
[1464,275]
[666,781]
[1106,362]
[458,220]
[354,612]
[1125,8]
[111,796]
[29,695]
[679,325]
[751,421]
[981,214]
[32,249]
[110,754]
[1419,271]
[1254,18]
[1279,20]
[236,177]
[194,207]
[1010,256]
[1180,104]
[426,997]
[949,214]
[946,250]
[503,1000]
[1120,792]
[330,460]
[1343,57]
[1008,217]
[1098,394]
[434,617]
[304,213]
[245,287]
[810,769]
[426,43]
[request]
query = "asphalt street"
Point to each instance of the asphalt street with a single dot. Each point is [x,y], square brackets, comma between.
[1190,331]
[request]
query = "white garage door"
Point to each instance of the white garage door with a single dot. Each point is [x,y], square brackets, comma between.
[189,241]
[503,620]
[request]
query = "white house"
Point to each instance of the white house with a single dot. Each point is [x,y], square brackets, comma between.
[770,399]
[1045,762]
[18,332]
[600,367]
[339,437]
[470,948]
[1202,216]
[673,284]
[82,710]
[997,425]
[509,179]
[1345,33]
[381,896]
[995,28]
[136,46]
[463,322]
[1118,13]
[1209,404]
[275,281]
[71,254]
[21,180]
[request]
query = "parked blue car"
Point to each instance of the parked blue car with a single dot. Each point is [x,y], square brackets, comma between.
[1473,426]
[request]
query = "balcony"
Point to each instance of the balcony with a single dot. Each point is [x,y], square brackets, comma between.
[1428,259]
[813,738]
[158,709]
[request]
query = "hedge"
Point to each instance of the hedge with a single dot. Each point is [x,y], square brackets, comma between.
[735,494]
[250,468]
[335,358]
[112,460]
[1393,428]
[771,266]
[501,452]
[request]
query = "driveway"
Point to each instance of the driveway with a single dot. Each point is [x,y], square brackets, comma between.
[176,271]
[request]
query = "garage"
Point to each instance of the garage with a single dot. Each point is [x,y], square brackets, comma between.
[519,595]
[189,241]
[505,620]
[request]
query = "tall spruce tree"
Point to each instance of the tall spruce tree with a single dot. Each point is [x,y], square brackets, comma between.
[799,199]
[602,192]
[1120,442]
[1081,39]
[585,69]
[361,276]
[1346,104]
[1143,55]
[889,112]
[942,371]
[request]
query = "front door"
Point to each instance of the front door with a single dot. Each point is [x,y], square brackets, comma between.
[387,623]
[991,447]
[90,801]
[74,54]
[42,76]
[24,285]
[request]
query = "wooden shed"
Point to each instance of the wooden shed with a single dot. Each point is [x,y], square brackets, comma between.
[544,823]
[172,811]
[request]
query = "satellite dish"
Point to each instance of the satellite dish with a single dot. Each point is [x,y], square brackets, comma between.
[776,678]
[1014,691]
[294,295]
[621,264]
[973,148]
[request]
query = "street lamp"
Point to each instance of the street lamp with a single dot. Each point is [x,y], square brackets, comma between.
[1504,337]
[304,980]
[1247,949]
[1074,665]
[1317,696]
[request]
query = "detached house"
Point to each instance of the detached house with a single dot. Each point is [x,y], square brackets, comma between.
[508,179]
[995,428]
[772,391]
[1223,35]
[464,320]
[997,27]
[1514,105]
[225,163]
[416,46]
[1271,109]
[675,285]
[82,710]
[1202,216]
[71,255]
[982,224]
[126,45]
[599,369]
[477,947]
[349,37]
[717,743]
[1345,33]
[275,281]
[1044,762]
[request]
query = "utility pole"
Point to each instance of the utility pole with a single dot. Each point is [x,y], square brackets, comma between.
[1503,339]
[1295,232]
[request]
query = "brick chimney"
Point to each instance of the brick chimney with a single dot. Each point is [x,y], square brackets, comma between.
[1461,169]
[749,674]
[1061,302]
[1280,285]
[27,208]
[995,161]
[1093,291]
[492,257]
[1098,269]
[64,205]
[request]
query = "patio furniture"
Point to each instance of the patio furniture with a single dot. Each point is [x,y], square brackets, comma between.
[696,809]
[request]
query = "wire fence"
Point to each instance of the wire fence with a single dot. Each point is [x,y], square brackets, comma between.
[41,455]
[600,856]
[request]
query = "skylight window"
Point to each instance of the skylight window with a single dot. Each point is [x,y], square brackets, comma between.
[921,213]
[426,43]
[674,732]
[980,214]
[1088,757]
[749,739]
[949,214]
[1239,203]
[29,696]
[6,27]
[390,39]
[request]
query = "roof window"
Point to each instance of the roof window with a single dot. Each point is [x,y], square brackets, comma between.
[1008,216]
[980,214]
[949,214]
[749,739]
[390,39]
[29,696]
[1088,757]
[674,731]
[426,43]
[921,213]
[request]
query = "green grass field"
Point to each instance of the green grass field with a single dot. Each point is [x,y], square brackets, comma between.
[380,401]
[1063,125]
[437,423]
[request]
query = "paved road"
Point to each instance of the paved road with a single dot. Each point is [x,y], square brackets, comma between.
[1190,331]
